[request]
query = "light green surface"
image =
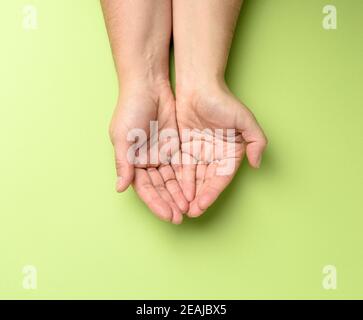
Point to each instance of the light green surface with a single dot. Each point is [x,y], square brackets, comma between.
[268,236]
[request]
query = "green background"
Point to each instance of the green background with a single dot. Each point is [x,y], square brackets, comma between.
[268,236]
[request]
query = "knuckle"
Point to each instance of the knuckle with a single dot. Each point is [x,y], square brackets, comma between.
[119,164]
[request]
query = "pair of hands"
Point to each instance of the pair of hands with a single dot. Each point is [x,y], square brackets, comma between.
[140,34]
[171,190]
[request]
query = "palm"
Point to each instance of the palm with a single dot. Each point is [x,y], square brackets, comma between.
[155,183]
[211,172]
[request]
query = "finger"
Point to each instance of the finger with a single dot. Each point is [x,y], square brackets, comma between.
[206,192]
[177,214]
[188,177]
[178,171]
[253,136]
[147,192]
[173,187]
[158,183]
[125,171]
[199,177]
[160,188]
[177,167]
[214,184]
[194,210]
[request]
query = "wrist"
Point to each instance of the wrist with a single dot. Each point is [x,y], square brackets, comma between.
[143,70]
[187,88]
[144,84]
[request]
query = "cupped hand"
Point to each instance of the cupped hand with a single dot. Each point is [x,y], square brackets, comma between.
[216,130]
[154,180]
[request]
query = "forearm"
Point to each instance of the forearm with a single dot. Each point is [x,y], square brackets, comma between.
[203,33]
[139,33]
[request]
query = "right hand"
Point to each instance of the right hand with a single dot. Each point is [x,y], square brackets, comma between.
[156,184]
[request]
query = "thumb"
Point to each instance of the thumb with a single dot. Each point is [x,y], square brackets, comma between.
[124,169]
[253,135]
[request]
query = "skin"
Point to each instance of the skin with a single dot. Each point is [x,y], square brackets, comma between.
[203,99]
[140,33]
